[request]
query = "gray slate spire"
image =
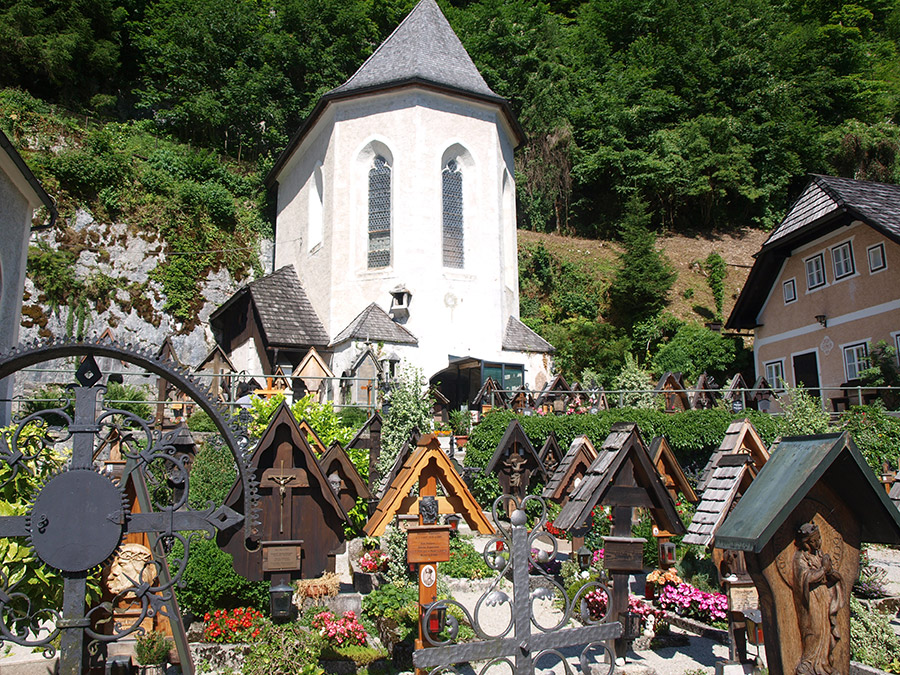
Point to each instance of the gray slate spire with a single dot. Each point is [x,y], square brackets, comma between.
[423,48]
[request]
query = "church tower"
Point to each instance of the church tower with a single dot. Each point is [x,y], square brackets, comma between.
[396,208]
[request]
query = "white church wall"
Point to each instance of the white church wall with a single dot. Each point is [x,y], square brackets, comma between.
[452,311]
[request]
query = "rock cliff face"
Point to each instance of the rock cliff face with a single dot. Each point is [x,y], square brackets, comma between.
[133,309]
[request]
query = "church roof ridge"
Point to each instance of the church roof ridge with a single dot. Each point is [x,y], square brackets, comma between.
[373,324]
[424,47]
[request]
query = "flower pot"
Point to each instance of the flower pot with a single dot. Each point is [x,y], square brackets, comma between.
[461,441]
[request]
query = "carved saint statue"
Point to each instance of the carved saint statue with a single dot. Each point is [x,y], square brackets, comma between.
[515,465]
[817,599]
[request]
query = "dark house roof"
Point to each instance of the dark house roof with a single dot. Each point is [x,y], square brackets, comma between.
[34,184]
[423,50]
[520,338]
[374,325]
[286,316]
[786,479]
[825,204]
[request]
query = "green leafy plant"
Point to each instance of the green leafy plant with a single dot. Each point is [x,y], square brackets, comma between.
[284,649]
[872,640]
[465,562]
[152,648]
[883,372]
[874,431]
[410,408]
[320,416]
[200,421]
[715,277]
[460,422]
[803,413]
[636,383]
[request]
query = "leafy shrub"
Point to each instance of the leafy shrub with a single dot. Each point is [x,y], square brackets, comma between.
[129,398]
[151,648]
[393,543]
[284,649]
[883,372]
[465,562]
[636,383]
[695,349]
[200,421]
[353,417]
[715,271]
[241,624]
[410,407]
[389,601]
[803,413]
[320,416]
[872,640]
[361,655]
[51,397]
[874,431]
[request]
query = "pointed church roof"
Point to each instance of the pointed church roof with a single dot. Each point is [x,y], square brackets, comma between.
[374,325]
[423,48]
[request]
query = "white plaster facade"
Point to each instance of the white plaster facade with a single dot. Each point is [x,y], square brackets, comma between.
[459,312]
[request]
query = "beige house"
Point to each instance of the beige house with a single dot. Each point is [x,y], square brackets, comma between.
[824,289]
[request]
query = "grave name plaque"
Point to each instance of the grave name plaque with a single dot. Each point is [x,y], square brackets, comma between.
[428,544]
[282,556]
[623,554]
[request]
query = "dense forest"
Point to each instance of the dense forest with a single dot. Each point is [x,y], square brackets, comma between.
[711,111]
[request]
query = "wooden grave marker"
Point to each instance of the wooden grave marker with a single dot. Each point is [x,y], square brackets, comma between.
[551,454]
[515,462]
[570,472]
[368,438]
[343,477]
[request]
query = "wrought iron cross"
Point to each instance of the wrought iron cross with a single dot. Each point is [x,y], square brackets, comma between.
[79,517]
[518,646]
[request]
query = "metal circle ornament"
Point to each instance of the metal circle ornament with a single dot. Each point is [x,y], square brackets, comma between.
[428,576]
[76,521]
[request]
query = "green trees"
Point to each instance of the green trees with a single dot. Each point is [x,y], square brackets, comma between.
[644,276]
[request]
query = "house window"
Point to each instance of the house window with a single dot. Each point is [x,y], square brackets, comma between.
[379,214]
[775,373]
[842,257]
[815,271]
[856,359]
[876,257]
[316,209]
[790,291]
[452,215]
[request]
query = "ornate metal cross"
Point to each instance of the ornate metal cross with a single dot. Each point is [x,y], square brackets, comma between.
[517,645]
[79,517]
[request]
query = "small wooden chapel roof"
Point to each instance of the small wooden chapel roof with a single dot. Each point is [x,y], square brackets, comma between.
[361,438]
[622,448]
[313,438]
[216,353]
[741,437]
[670,470]
[312,369]
[490,394]
[800,463]
[427,461]
[337,459]
[551,451]
[514,436]
[730,479]
[673,383]
[580,456]
[556,388]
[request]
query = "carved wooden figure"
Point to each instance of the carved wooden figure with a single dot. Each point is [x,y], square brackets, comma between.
[515,462]
[343,477]
[551,454]
[800,524]
[302,519]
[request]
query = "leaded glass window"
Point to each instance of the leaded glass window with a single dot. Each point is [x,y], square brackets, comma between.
[453,215]
[379,214]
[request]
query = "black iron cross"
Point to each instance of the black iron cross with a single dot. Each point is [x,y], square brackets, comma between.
[525,647]
[78,520]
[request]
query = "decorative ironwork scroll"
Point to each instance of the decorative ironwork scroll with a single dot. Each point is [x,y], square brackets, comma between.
[518,646]
[79,517]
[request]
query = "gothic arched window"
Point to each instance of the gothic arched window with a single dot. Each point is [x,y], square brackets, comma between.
[379,214]
[451,179]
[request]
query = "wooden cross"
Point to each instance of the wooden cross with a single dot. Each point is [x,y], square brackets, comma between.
[284,479]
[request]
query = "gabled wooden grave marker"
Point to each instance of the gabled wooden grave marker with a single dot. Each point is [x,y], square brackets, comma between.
[368,438]
[671,386]
[402,455]
[489,397]
[571,471]
[555,396]
[670,470]
[551,454]
[623,476]
[302,520]
[515,462]
[311,374]
[314,441]
[221,367]
[741,437]
[800,525]
[342,474]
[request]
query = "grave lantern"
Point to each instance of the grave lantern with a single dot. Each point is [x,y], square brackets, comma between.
[753,617]
[436,618]
[666,553]
[281,606]
[452,520]
[584,557]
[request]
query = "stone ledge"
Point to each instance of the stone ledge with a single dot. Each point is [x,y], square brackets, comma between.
[857,668]
[697,628]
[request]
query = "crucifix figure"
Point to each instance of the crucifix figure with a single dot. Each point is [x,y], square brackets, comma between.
[284,479]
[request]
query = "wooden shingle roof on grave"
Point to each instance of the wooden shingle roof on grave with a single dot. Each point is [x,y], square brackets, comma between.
[895,491]
[216,360]
[574,466]
[427,462]
[733,390]
[670,470]
[285,314]
[514,439]
[673,387]
[730,479]
[551,454]
[352,485]
[705,394]
[314,513]
[607,478]
[555,389]
[402,455]
[490,394]
[314,441]
[362,439]
[740,437]
[167,351]
[761,390]
[313,370]
[800,463]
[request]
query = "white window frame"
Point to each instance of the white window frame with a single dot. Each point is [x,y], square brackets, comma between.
[878,246]
[776,381]
[792,284]
[858,363]
[845,251]
[806,262]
